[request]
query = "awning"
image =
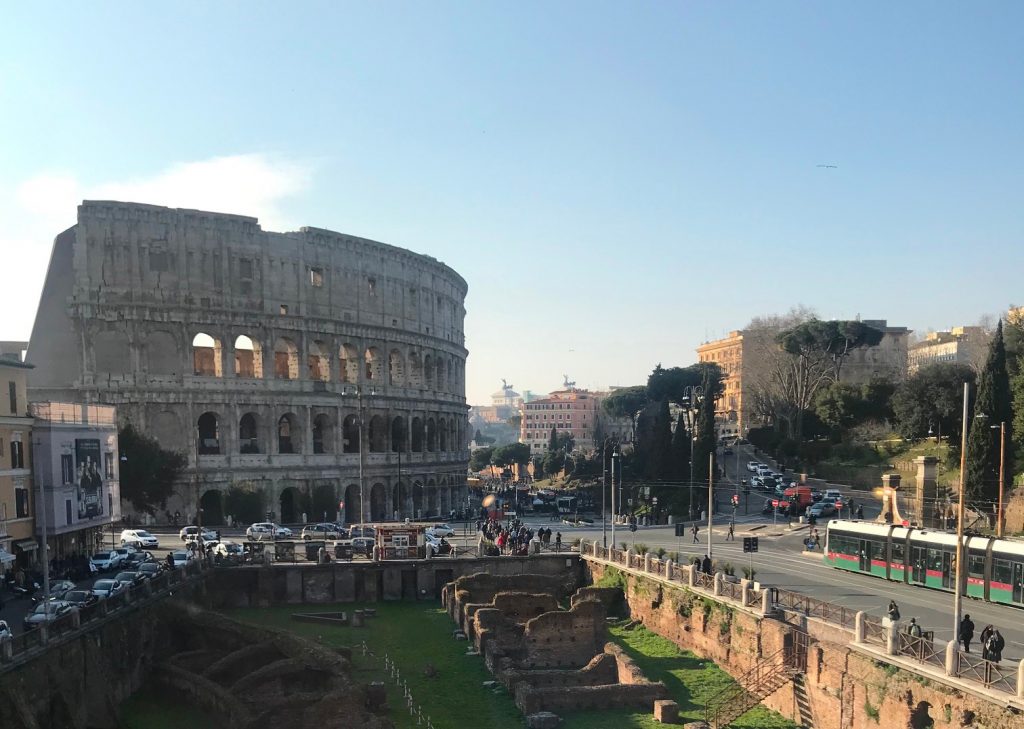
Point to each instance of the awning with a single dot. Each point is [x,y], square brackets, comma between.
[5,556]
[26,545]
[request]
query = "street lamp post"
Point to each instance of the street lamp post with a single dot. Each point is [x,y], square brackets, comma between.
[711,493]
[358,391]
[604,489]
[615,462]
[690,395]
[1002,475]
[960,521]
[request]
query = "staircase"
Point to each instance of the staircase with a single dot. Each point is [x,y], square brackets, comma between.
[768,676]
[803,703]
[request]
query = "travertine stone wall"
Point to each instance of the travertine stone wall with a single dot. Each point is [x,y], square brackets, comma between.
[268,358]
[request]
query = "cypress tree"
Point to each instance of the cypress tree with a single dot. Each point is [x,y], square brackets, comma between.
[680,459]
[992,406]
[659,460]
[553,441]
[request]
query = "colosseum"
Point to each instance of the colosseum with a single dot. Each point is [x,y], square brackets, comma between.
[305,373]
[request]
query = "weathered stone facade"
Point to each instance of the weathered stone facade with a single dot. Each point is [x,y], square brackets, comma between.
[275,361]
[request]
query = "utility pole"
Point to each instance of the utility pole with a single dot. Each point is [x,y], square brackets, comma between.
[1002,477]
[960,522]
[604,489]
[615,457]
[711,495]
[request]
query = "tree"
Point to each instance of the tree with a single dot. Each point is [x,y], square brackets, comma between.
[659,449]
[679,459]
[704,444]
[991,408]
[481,458]
[626,402]
[148,472]
[512,454]
[931,399]
[553,440]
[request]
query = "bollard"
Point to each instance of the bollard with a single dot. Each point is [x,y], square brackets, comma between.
[892,637]
[858,627]
[766,602]
[1020,679]
[76,619]
[668,569]
[44,633]
[6,649]
[647,562]
[719,578]
[951,649]
[744,592]
[691,576]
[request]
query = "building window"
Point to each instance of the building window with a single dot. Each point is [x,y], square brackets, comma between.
[12,393]
[372,284]
[284,310]
[17,457]
[316,277]
[21,502]
[67,468]
[108,465]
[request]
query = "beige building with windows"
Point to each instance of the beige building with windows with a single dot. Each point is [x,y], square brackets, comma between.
[572,411]
[960,345]
[17,542]
[729,354]
[886,360]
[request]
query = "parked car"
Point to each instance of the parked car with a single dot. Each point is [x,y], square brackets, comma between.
[81,598]
[107,561]
[58,589]
[149,570]
[46,613]
[181,557]
[816,495]
[266,530]
[229,551]
[440,531]
[130,579]
[821,509]
[362,531]
[139,538]
[752,466]
[322,531]
[126,553]
[359,545]
[108,588]
[139,558]
[833,494]
[209,537]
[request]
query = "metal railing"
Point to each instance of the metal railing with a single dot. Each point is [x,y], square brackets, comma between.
[921,647]
[874,631]
[704,580]
[990,673]
[732,590]
[812,607]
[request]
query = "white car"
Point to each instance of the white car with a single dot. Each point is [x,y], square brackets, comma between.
[440,530]
[108,588]
[266,530]
[181,557]
[209,537]
[107,560]
[752,466]
[139,538]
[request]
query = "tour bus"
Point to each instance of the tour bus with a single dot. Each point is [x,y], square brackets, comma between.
[927,558]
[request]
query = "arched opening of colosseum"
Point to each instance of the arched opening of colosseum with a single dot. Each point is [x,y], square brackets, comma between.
[431,435]
[396,504]
[288,434]
[428,372]
[350,434]
[444,503]
[396,368]
[249,434]
[398,434]
[403,499]
[348,356]
[374,366]
[286,359]
[432,507]
[378,435]
[441,384]
[206,356]
[162,354]
[248,358]
[325,502]
[417,500]
[209,434]
[442,432]
[111,352]
[417,435]
[448,376]
[323,434]
[212,505]
[291,506]
[319,362]
[352,504]
[415,370]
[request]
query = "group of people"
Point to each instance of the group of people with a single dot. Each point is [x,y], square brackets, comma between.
[992,641]
[513,538]
[74,567]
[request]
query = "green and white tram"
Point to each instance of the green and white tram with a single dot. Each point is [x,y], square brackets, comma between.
[995,567]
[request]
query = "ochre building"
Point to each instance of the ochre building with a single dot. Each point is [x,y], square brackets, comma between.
[304,373]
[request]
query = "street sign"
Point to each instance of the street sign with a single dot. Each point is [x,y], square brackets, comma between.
[749,544]
[680,529]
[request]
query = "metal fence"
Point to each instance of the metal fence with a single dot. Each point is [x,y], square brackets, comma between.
[701,579]
[732,590]
[990,673]
[874,631]
[812,607]
[921,648]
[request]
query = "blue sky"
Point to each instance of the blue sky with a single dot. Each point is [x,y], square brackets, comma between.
[617,181]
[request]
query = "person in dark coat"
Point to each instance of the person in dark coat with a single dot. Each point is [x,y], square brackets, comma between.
[705,566]
[966,632]
[986,634]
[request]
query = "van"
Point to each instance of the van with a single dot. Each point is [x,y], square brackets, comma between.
[799,495]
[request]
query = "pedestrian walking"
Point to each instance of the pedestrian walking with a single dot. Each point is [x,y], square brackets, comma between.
[893,611]
[997,644]
[558,542]
[966,632]
[694,531]
[986,636]
[732,532]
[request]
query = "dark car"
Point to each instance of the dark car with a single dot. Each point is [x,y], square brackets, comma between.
[58,589]
[130,579]
[81,598]
[138,558]
[46,613]
[149,570]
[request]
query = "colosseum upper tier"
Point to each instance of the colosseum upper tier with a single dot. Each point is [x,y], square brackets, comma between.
[297,371]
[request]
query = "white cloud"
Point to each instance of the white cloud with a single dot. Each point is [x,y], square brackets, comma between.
[35,210]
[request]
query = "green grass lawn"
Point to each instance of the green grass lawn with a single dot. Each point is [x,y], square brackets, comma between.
[150,709]
[416,635]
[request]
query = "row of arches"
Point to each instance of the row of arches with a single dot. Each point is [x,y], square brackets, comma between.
[372,365]
[399,434]
[414,499]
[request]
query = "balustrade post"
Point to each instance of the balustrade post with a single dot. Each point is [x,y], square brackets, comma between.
[892,635]
[668,569]
[719,578]
[951,649]
[691,576]
[76,619]
[859,628]
[44,633]
[647,562]
[1020,679]
[766,602]
[744,592]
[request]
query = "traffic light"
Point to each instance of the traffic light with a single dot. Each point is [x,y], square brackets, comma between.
[735,499]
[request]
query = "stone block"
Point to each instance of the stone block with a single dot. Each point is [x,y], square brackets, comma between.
[543,720]
[667,712]
[696,725]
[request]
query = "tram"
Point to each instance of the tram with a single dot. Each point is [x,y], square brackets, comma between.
[995,567]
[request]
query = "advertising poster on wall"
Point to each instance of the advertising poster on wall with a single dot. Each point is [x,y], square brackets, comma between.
[88,481]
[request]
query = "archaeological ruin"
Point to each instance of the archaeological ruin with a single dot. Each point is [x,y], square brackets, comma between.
[284,365]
